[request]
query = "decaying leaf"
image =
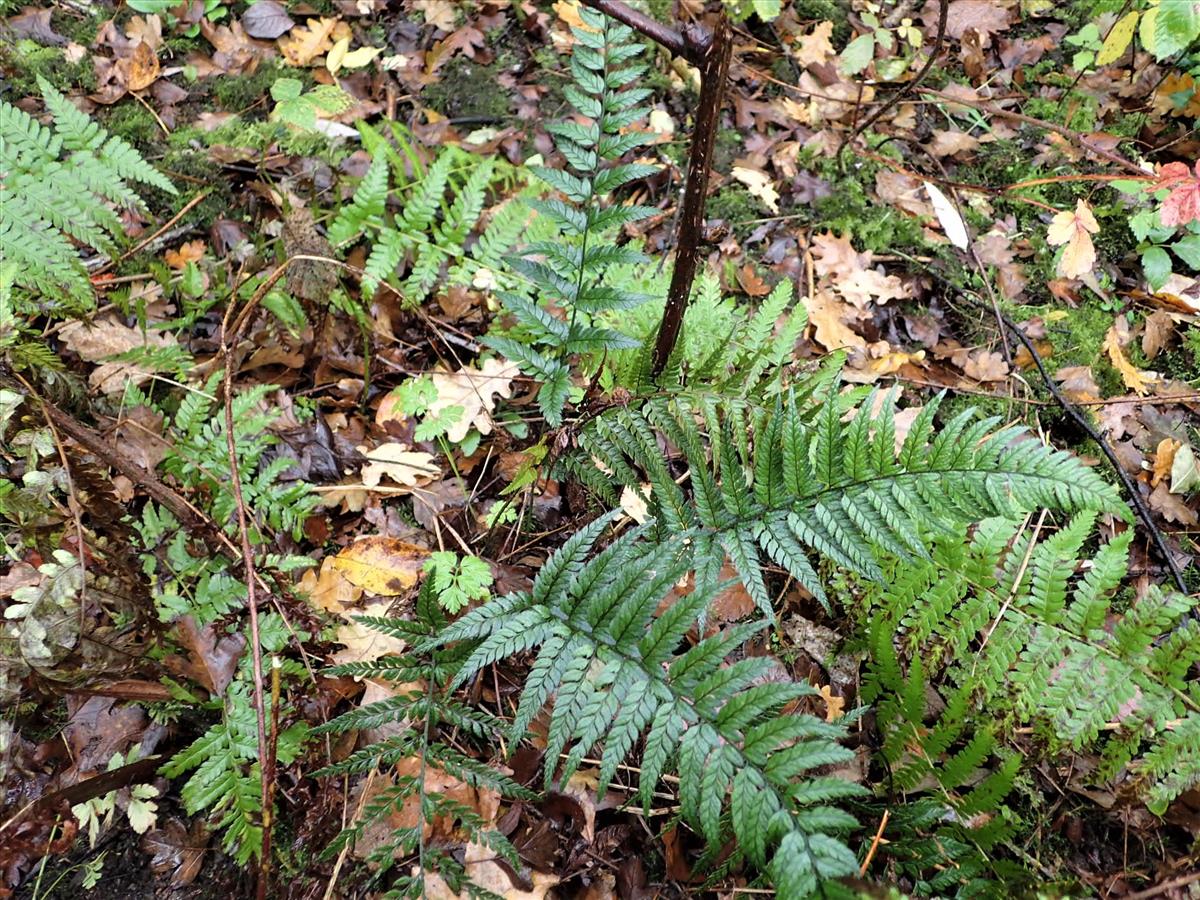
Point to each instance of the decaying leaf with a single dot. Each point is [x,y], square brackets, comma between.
[107,336]
[1135,379]
[363,644]
[1073,231]
[306,42]
[759,184]
[381,565]
[474,391]
[398,463]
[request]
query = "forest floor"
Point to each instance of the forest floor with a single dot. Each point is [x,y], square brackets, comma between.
[1014,183]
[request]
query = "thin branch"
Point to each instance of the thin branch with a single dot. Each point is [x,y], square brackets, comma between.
[640,22]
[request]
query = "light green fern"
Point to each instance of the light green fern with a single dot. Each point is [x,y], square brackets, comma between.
[1012,625]
[56,188]
[438,211]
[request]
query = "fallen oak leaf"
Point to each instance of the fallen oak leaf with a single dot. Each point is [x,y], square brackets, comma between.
[758,183]
[1073,231]
[306,42]
[406,467]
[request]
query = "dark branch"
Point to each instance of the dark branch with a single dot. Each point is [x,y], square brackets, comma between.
[656,31]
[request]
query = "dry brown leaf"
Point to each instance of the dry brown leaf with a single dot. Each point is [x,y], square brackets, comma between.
[363,644]
[438,13]
[381,565]
[1164,459]
[1171,506]
[984,365]
[107,336]
[1160,328]
[406,467]
[952,143]
[473,390]
[1078,383]
[1135,379]
[865,287]
[306,42]
[982,16]
[827,314]
[1074,230]
[835,257]
[815,49]
[142,68]
[147,29]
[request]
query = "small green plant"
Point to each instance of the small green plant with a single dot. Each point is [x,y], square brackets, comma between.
[567,273]
[137,802]
[300,109]
[420,748]
[457,581]
[431,231]
[57,184]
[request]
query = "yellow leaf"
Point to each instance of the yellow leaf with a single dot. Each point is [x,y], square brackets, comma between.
[1120,36]
[1074,230]
[403,466]
[833,705]
[1149,24]
[381,565]
[1135,379]
[356,59]
[337,53]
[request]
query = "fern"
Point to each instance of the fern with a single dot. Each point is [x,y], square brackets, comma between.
[1014,628]
[792,478]
[225,777]
[55,187]
[568,272]
[427,710]
[613,672]
[430,232]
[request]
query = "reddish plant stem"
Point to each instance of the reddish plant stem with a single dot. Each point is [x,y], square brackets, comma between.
[713,49]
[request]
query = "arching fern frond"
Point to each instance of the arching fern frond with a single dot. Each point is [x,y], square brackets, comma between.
[796,478]
[615,674]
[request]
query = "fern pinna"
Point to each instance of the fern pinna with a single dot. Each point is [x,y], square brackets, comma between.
[793,477]
[58,182]
[1027,639]
[568,272]
[428,708]
[613,672]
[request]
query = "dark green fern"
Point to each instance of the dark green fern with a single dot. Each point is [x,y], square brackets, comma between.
[784,480]
[428,710]
[616,673]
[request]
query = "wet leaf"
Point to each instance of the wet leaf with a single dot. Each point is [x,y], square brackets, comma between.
[267,19]
[381,565]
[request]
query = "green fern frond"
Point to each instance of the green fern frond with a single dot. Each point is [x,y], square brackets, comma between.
[612,671]
[46,201]
[815,483]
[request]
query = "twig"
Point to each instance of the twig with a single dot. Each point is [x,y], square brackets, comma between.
[150,240]
[875,842]
[1161,889]
[266,759]
[909,87]
[1081,420]
[1073,136]
[714,50]
[651,28]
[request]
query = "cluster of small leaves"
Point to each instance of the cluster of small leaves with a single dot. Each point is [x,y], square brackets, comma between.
[456,582]
[440,207]
[612,671]
[57,187]
[1012,626]
[794,477]
[567,273]
[41,624]
[427,710]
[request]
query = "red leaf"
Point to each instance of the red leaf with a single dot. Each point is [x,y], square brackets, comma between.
[1183,203]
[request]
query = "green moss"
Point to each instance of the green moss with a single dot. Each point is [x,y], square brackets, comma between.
[1078,339]
[852,207]
[77,28]
[735,206]
[23,61]
[726,147]
[468,90]
[199,172]
[131,121]
[237,93]
[1082,111]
